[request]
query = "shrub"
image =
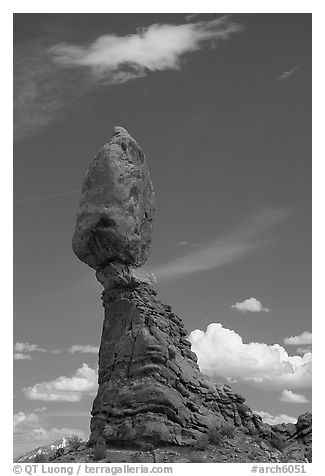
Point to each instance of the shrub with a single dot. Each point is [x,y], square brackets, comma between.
[74,442]
[215,437]
[228,431]
[277,443]
[39,458]
[201,444]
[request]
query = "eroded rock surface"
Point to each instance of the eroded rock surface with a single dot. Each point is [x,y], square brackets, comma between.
[297,438]
[117,206]
[150,386]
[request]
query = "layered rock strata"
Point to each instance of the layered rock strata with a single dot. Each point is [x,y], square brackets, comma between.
[150,386]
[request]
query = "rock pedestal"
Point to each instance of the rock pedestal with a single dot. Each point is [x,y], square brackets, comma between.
[150,386]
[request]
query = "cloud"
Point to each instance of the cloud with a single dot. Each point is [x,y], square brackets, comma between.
[48,77]
[41,92]
[83,349]
[290,397]
[302,339]
[22,417]
[19,356]
[222,353]
[251,305]
[275,420]
[65,389]
[225,250]
[182,243]
[158,47]
[304,350]
[192,16]
[287,74]
[31,432]
[26,347]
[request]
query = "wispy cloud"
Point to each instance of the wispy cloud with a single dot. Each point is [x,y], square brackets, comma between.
[302,339]
[182,243]
[19,356]
[156,48]
[65,389]
[286,74]
[83,349]
[47,77]
[192,16]
[41,91]
[304,350]
[23,349]
[222,353]
[224,250]
[289,397]
[250,305]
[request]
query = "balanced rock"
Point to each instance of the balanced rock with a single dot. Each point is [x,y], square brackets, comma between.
[150,386]
[117,206]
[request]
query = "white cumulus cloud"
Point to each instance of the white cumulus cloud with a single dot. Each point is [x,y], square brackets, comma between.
[68,389]
[290,397]
[275,420]
[302,339]
[222,353]
[250,305]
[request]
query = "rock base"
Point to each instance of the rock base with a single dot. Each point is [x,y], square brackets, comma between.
[150,386]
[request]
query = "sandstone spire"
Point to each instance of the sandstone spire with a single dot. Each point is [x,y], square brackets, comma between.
[150,386]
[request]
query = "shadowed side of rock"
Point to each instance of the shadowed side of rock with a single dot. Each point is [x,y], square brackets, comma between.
[150,386]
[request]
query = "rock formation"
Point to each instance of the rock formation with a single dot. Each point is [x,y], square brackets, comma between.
[114,222]
[150,386]
[297,438]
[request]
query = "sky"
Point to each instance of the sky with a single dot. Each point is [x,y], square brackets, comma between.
[221,106]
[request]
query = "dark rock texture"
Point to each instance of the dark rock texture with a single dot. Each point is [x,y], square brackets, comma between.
[297,438]
[117,206]
[150,386]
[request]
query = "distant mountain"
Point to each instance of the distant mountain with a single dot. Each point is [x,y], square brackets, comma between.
[46,450]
